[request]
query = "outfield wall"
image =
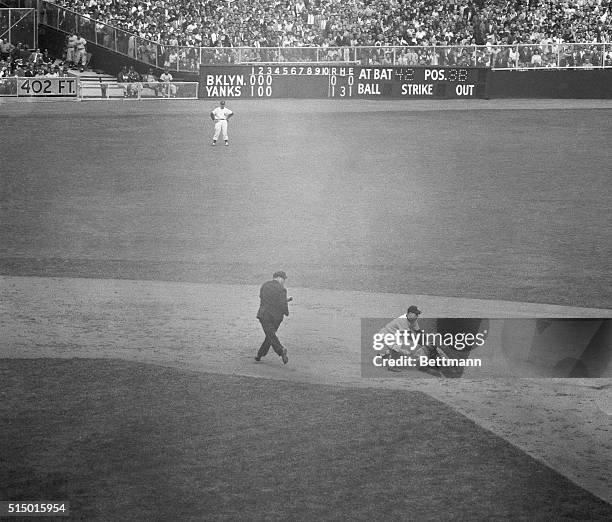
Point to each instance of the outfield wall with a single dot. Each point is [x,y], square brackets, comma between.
[551,83]
[542,83]
[355,81]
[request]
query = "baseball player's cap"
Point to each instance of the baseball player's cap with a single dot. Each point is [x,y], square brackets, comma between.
[413,309]
[279,273]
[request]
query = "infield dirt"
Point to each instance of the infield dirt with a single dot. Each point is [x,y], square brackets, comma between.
[564,423]
[151,244]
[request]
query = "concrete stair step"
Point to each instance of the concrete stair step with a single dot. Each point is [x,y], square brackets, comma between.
[95,91]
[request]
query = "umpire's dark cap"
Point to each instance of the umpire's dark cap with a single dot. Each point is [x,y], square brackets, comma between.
[279,273]
[413,309]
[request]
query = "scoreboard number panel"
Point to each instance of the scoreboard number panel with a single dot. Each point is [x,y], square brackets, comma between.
[330,81]
[410,82]
[286,86]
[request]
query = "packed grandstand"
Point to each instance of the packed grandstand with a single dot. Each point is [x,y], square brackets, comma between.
[325,23]
[179,35]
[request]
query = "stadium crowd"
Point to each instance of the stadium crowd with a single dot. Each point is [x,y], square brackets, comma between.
[134,83]
[17,61]
[322,23]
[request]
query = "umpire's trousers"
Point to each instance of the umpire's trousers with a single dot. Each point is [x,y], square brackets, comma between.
[270,326]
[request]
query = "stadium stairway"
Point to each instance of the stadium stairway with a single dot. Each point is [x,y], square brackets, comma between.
[98,86]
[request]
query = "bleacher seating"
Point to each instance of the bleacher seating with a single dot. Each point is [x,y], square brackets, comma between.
[324,23]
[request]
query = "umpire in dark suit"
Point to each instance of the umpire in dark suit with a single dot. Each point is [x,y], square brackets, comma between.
[272,309]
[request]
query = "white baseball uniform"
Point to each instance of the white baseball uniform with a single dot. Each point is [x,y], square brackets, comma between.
[168,89]
[71,49]
[81,53]
[402,324]
[221,114]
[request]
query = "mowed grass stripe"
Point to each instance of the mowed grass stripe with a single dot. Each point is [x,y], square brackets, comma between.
[123,440]
[481,204]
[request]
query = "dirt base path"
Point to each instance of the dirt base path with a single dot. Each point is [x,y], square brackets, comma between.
[565,423]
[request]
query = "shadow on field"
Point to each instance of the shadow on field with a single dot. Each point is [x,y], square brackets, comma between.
[122,440]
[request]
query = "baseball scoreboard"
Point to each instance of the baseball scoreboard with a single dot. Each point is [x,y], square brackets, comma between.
[341,81]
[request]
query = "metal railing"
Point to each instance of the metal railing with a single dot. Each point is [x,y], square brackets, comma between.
[188,59]
[18,26]
[185,59]
[141,90]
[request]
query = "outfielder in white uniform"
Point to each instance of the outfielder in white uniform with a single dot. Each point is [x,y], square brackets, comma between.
[71,49]
[81,52]
[220,115]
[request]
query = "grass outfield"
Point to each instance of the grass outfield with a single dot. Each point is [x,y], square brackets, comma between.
[500,204]
[127,441]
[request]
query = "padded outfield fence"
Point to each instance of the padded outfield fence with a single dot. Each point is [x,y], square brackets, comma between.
[72,87]
[189,59]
